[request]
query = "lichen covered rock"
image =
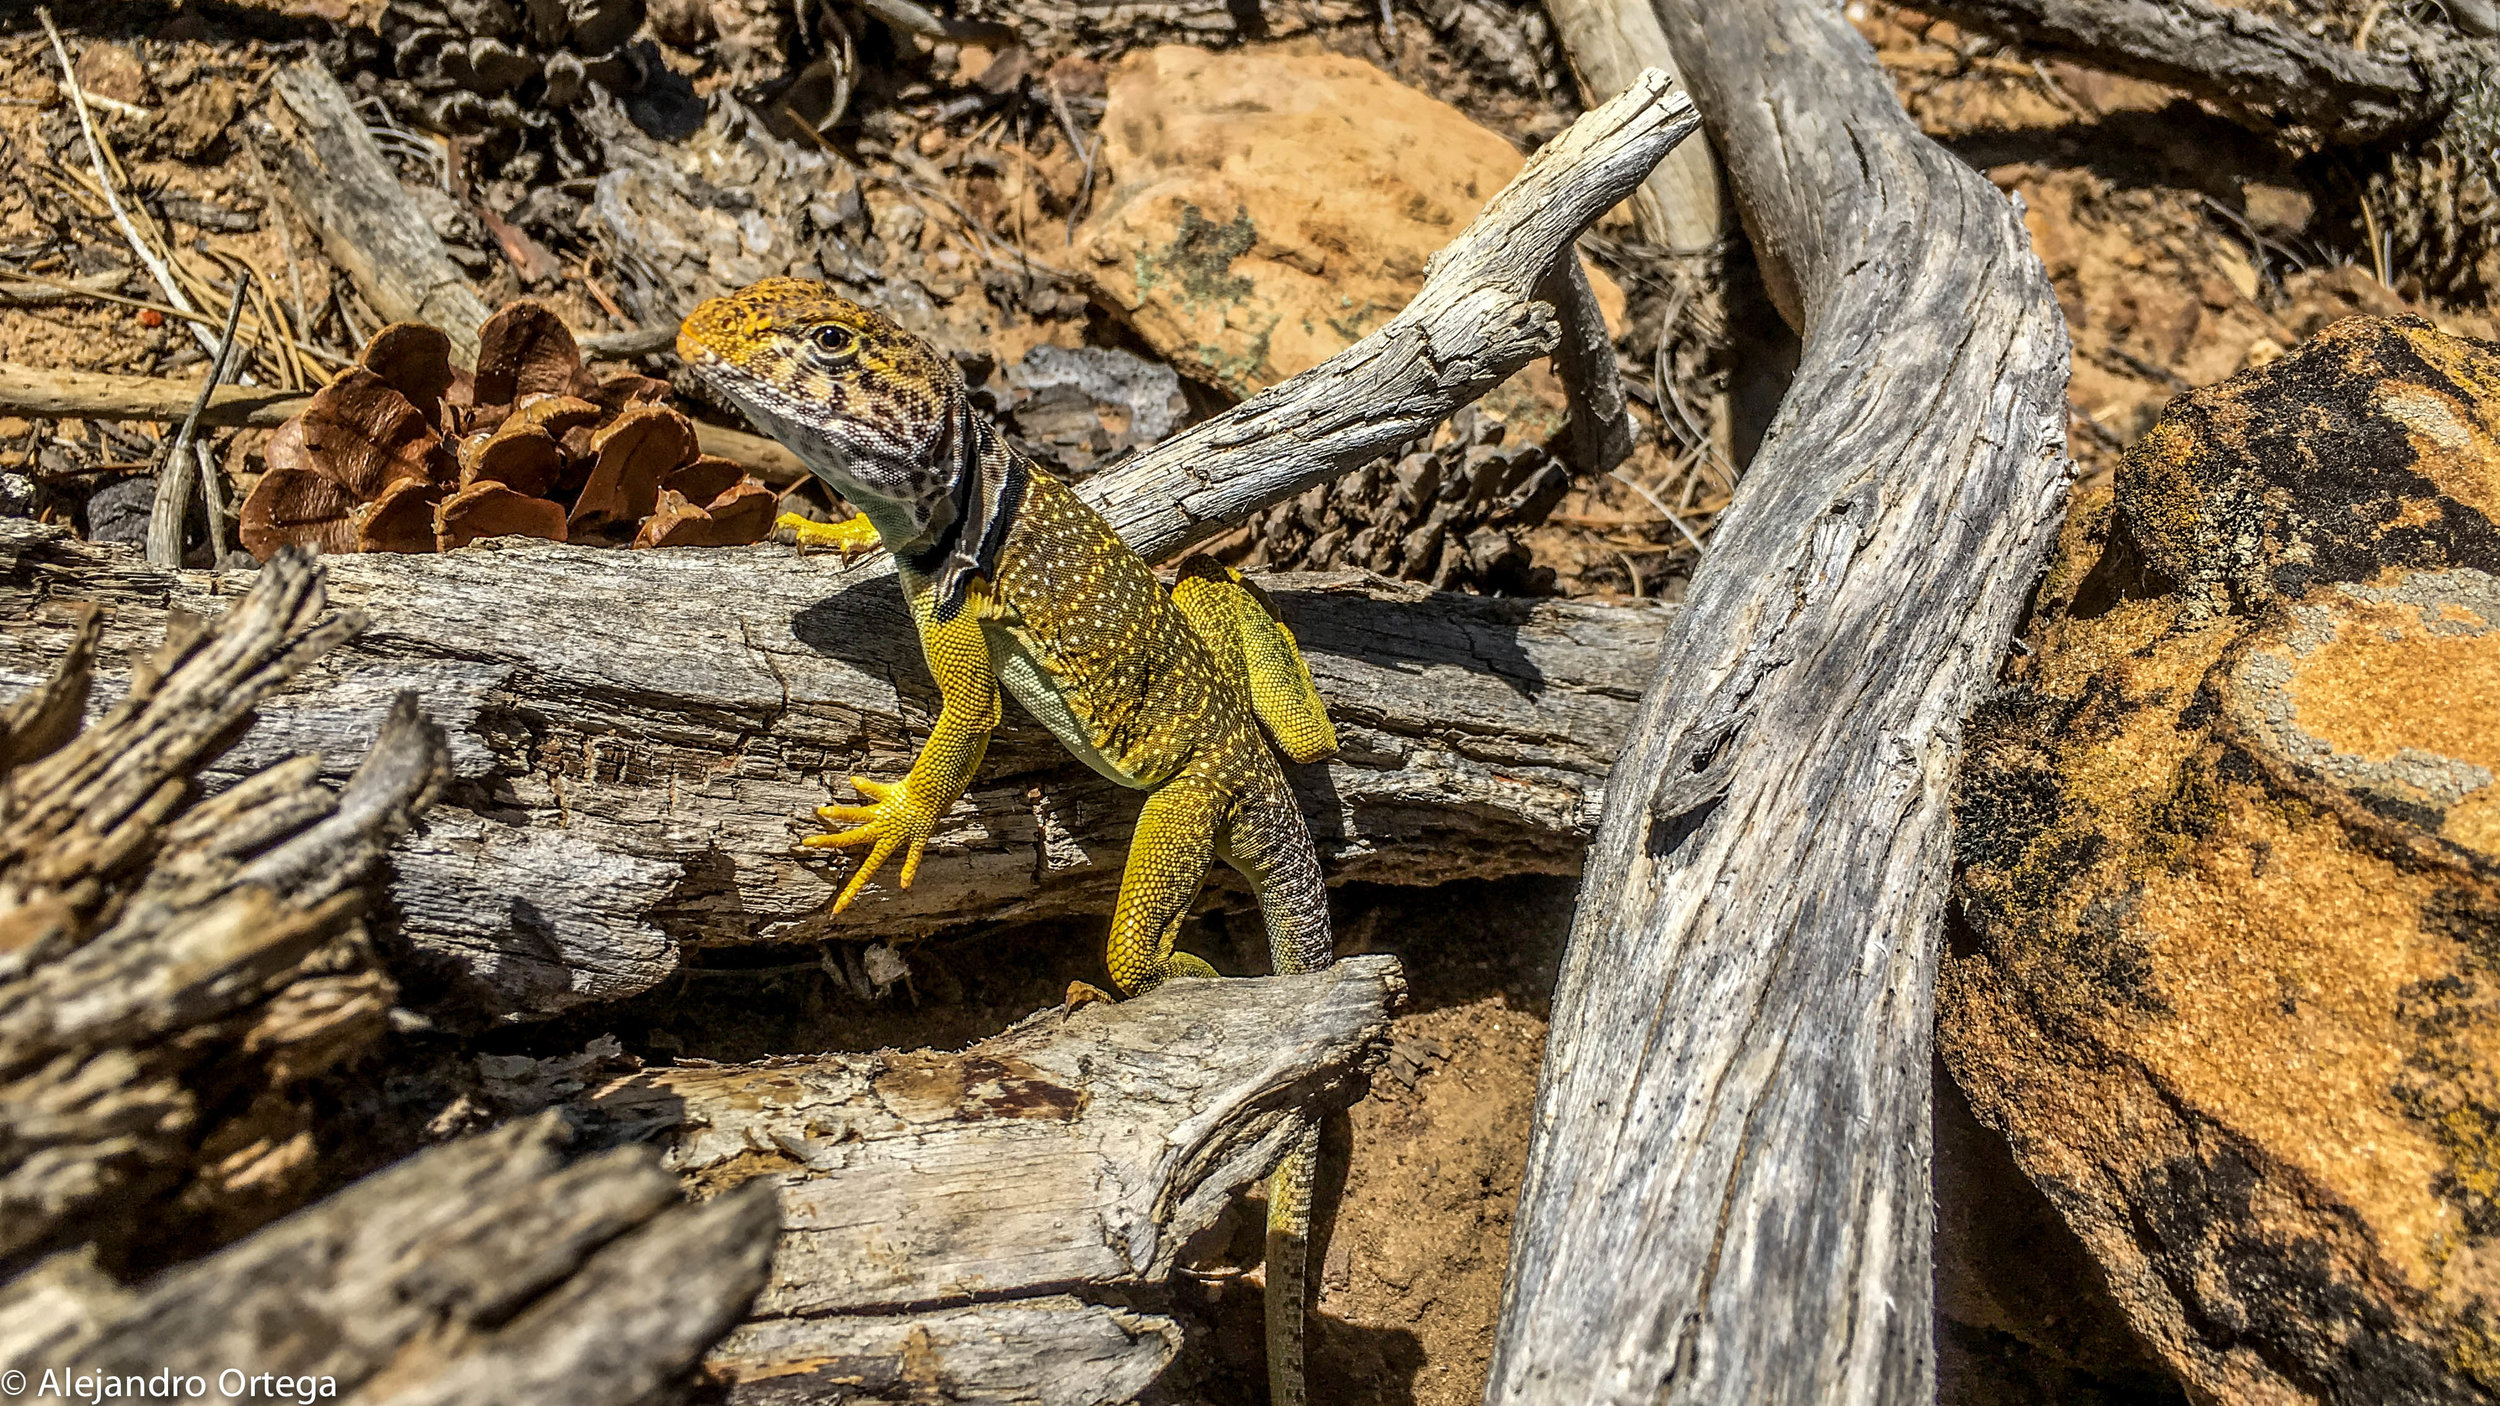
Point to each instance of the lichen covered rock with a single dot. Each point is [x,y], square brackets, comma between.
[2229,976]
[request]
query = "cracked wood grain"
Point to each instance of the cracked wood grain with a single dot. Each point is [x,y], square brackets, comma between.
[176,969]
[1002,1224]
[633,733]
[153,946]
[1727,1194]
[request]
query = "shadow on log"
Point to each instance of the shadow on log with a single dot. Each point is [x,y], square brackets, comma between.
[1727,1191]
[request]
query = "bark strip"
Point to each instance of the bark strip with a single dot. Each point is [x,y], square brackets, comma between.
[2250,60]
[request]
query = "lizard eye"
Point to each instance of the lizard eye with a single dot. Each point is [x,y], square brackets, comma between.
[835,344]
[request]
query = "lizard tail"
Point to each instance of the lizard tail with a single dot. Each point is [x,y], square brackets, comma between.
[1288,1266]
[1268,841]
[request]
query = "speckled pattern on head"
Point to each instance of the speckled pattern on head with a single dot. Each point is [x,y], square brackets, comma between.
[1018,587]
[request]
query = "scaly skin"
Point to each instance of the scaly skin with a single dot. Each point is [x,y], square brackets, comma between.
[1018,587]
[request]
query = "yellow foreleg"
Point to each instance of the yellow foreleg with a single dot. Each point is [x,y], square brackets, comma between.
[851,537]
[904,814]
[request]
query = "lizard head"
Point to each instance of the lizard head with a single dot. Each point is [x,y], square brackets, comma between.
[878,413]
[873,410]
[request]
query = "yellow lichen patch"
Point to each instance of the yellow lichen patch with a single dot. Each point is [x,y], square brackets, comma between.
[2158,486]
[2453,444]
[2475,822]
[2405,706]
[2227,978]
[2281,950]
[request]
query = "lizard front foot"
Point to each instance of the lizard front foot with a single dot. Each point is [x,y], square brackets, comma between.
[852,537]
[893,820]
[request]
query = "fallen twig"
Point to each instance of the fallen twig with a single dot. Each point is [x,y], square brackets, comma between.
[173,483]
[286,238]
[36,293]
[2242,57]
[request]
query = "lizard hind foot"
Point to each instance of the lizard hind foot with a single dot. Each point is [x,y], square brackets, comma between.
[1086,993]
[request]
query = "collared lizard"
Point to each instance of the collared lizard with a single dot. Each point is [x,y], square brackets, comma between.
[1015,584]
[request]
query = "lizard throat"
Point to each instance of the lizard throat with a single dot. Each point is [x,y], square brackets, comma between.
[987,492]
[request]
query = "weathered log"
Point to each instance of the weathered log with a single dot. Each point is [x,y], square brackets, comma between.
[2246,59]
[1727,1195]
[491,1269]
[371,227]
[635,731]
[172,977]
[1000,1224]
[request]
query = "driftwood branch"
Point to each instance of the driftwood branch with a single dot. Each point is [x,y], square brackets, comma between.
[1477,319]
[491,1269]
[1001,1224]
[371,227]
[633,733]
[1727,1196]
[38,393]
[2242,57]
[1610,43]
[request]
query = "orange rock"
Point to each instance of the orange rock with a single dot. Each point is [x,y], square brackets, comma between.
[2230,870]
[1261,209]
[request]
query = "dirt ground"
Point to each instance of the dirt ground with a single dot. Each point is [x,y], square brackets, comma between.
[2182,249]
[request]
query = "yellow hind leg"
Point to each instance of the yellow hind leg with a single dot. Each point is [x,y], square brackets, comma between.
[1268,841]
[1167,863]
[1257,653]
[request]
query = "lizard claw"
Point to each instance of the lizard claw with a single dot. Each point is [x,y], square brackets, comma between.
[895,821]
[1085,993]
